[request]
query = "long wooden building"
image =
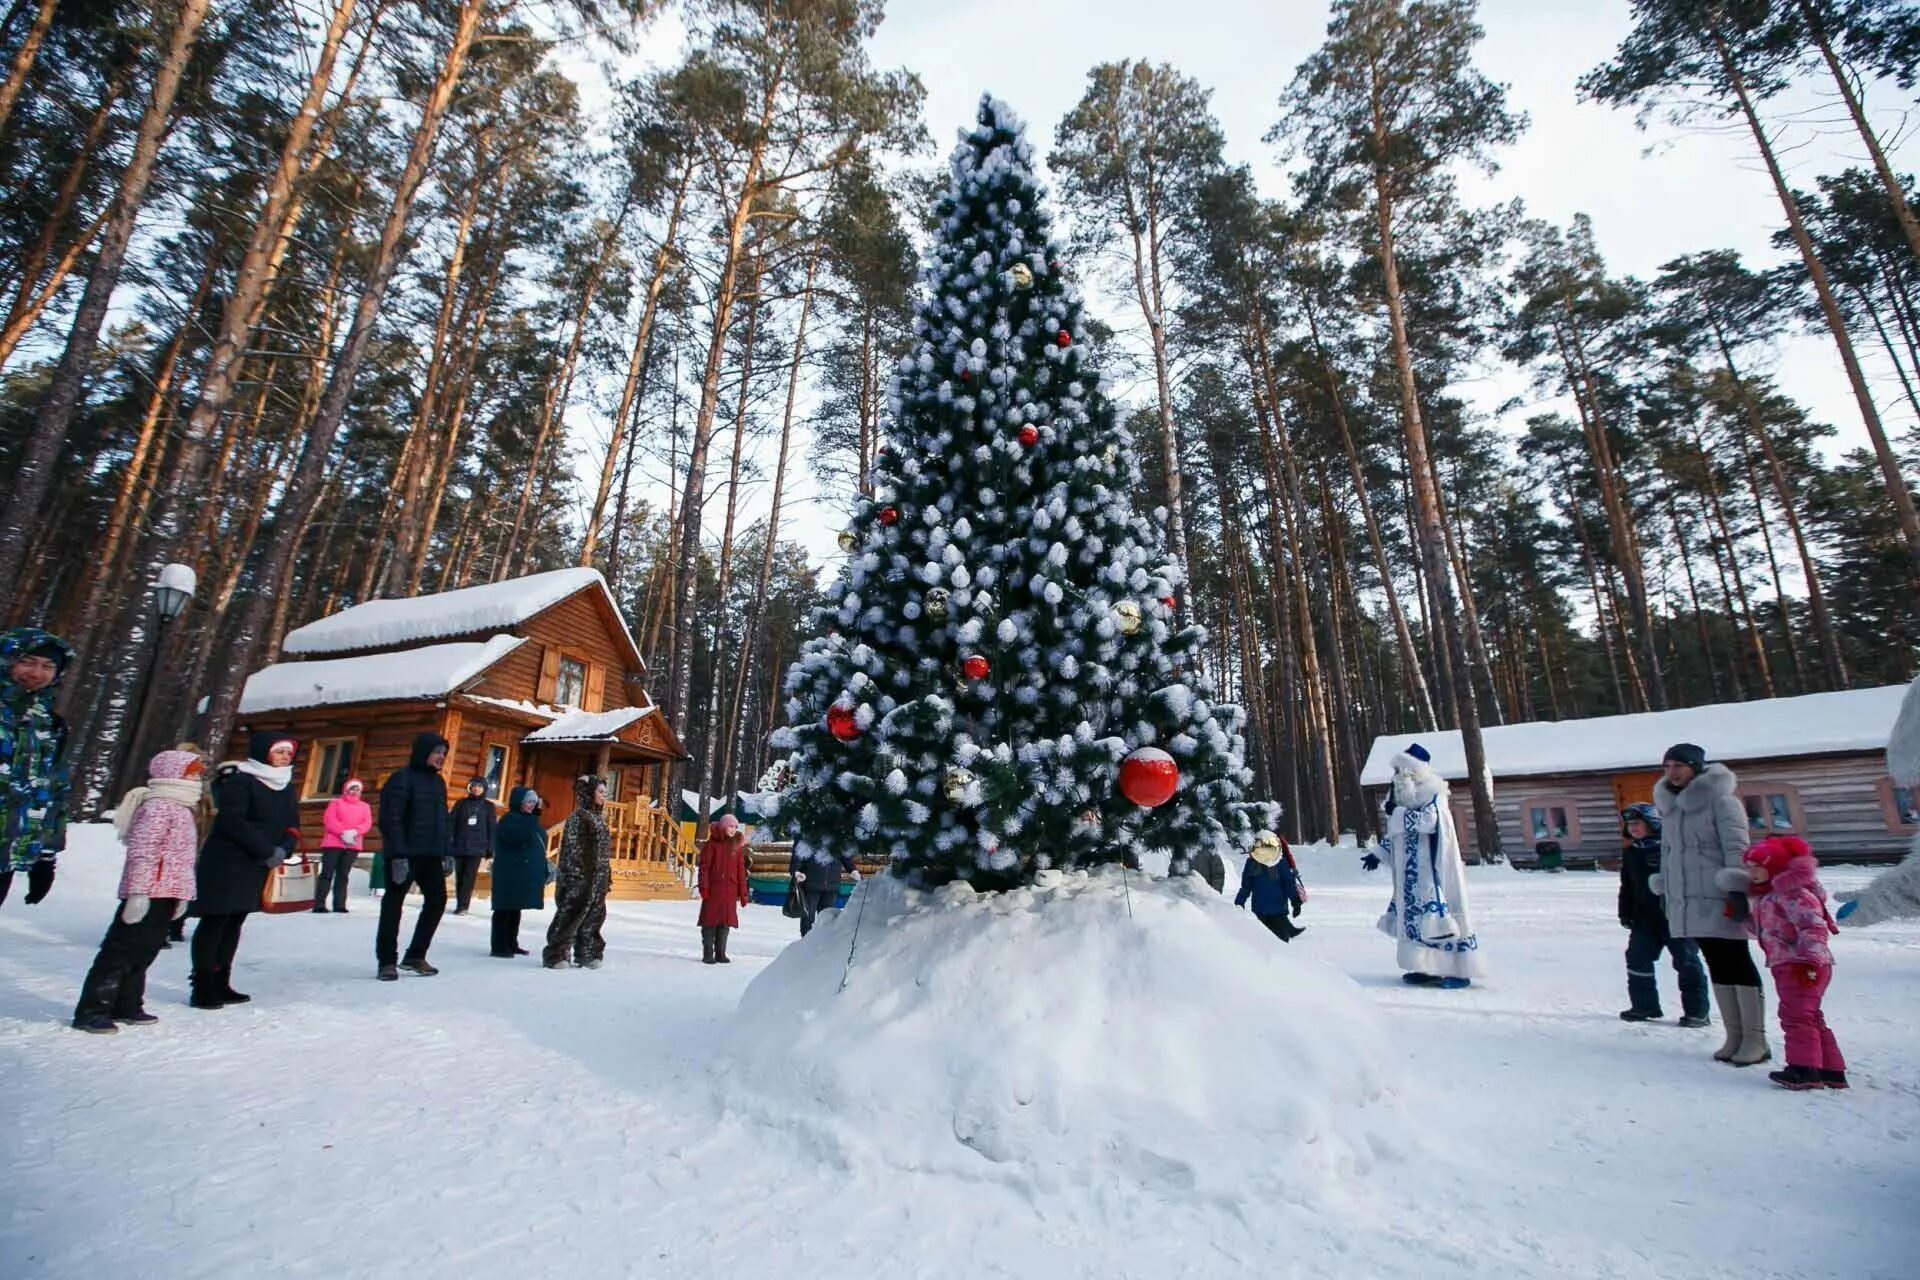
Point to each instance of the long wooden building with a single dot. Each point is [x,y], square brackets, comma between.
[533,682]
[1814,766]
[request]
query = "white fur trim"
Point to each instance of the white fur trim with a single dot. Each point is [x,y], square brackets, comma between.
[1903,745]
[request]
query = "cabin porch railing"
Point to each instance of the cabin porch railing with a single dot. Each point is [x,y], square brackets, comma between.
[643,834]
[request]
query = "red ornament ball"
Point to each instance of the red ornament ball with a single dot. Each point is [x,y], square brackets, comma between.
[1029,435]
[888,515]
[966,375]
[975,667]
[1065,339]
[1167,601]
[841,724]
[1149,777]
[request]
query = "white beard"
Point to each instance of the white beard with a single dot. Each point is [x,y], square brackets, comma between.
[1415,787]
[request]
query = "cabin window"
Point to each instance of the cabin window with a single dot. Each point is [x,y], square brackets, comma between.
[328,768]
[1771,810]
[1552,821]
[613,785]
[1901,805]
[570,687]
[495,772]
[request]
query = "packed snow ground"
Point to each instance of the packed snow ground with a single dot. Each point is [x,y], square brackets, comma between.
[499,1120]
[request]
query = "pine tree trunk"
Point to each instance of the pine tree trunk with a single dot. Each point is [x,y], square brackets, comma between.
[308,475]
[1787,637]
[1693,595]
[33,471]
[1898,490]
[23,58]
[1849,93]
[1761,665]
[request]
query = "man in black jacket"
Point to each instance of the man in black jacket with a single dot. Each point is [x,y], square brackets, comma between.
[1642,912]
[414,835]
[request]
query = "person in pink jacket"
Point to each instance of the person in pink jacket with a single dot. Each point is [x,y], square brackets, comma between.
[159,825]
[1790,918]
[345,823]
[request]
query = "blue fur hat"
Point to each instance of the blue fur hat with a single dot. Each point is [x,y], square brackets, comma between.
[1420,753]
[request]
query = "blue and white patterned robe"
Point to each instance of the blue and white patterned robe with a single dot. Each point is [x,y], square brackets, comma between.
[1428,917]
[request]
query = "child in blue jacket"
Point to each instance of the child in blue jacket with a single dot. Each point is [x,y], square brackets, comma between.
[1273,884]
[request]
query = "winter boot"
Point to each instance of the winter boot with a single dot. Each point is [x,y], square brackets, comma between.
[1419,979]
[141,1018]
[1728,999]
[1753,1028]
[1834,1079]
[720,944]
[707,946]
[1455,984]
[389,973]
[1798,1079]
[227,994]
[420,967]
[97,1025]
[1694,1020]
[205,991]
[1639,1015]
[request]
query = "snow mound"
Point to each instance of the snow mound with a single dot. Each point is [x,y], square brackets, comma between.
[1046,1041]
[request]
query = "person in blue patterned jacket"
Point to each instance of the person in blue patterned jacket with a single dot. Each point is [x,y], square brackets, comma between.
[33,758]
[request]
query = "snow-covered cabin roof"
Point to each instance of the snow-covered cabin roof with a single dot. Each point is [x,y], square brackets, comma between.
[1813,724]
[588,726]
[433,671]
[494,606]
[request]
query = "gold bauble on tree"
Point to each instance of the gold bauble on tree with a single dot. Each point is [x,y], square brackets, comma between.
[937,603]
[1126,616]
[957,782]
[1022,276]
[847,541]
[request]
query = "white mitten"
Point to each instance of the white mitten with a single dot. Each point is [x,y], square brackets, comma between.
[1427,821]
[180,910]
[136,909]
[350,836]
[1658,884]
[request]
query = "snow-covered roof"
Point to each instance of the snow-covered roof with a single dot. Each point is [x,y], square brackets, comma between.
[494,606]
[588,726]
[430,672]
[1813,724]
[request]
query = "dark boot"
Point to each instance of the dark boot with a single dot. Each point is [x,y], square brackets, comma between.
[720,944]
[1834,1079]
[1798,1079]
[707,945]
[205,989]
[420,967]
[227,994]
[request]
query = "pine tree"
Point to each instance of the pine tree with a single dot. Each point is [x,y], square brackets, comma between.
[1002,636]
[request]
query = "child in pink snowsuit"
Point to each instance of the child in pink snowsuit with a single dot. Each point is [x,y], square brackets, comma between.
[159,823]
[1790,917]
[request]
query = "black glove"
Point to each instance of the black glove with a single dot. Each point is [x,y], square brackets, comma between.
[399,872]
[39,880]
[1371,862]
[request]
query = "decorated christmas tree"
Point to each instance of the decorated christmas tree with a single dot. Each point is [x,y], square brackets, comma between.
[1002,685]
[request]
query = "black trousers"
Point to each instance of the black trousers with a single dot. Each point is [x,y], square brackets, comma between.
[1729,962]
[215,940]
[506,932]
[336,868]
[1280,927]
[116,986]
[466,872]
[812,902]
[431,875]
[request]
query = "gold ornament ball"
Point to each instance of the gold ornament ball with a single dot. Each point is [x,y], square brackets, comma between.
[847,540]
[958,780]
[1022,276]
[1127,615]
[937,603]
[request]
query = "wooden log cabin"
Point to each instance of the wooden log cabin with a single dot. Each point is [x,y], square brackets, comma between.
[533,682]
[1812,766]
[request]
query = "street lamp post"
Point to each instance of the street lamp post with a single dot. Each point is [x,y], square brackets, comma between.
[171,592]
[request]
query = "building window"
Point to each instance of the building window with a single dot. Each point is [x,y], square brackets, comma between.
[1771,810]
[613,785]
[1901,805]
[328,768]
[570,690]
[495,772]
[1549,821]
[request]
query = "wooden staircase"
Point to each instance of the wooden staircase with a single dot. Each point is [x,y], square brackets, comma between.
[650,863]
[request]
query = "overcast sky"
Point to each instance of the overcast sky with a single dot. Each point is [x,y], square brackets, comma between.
[1652,195]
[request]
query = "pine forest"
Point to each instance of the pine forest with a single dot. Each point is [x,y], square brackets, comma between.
[335,300]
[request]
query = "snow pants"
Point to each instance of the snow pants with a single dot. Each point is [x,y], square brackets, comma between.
[1644,946]
[336,865]
[1281,927]
[430,874]
[579,913]
[116,986]
[812,902]
[466,873]
[506,932]
[1802,1024]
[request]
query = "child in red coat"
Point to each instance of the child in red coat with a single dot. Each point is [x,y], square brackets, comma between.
[1790,917]
[723,887]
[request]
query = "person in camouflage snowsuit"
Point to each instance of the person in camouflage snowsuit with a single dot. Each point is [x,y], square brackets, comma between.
[580,886]
[33,758]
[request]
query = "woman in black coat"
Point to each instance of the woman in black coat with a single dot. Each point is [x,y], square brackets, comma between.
[256,827]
